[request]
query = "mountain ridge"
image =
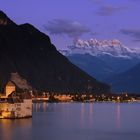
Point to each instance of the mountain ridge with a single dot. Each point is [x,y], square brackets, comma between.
[96,47]
[100,60]
[126,81]
[29,53]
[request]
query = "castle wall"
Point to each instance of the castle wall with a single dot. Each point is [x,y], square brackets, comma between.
[16,110]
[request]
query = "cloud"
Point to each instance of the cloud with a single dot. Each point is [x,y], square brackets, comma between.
[109,10]
[66,27]
[134,33]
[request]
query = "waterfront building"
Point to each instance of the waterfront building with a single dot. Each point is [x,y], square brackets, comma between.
[15,104]
[9,88]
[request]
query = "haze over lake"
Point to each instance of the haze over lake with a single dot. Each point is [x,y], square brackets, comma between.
[76,121]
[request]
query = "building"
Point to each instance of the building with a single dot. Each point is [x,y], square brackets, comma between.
[9,88]
[13,104]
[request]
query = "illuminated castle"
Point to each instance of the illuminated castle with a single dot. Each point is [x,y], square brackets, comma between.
[14,104]
[10,87]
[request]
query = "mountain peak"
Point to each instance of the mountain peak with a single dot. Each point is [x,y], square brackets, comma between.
[25,49]
[4,20]
[94,42]
[102,47]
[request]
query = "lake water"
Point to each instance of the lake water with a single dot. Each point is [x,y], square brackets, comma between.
[76,121]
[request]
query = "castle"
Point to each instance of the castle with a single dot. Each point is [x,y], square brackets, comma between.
[14,104]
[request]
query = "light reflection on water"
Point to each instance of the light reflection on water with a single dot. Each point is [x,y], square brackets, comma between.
[13,129]
[118,116]
[76,121]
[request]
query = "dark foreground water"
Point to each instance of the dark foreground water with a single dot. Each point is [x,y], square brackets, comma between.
[76,121]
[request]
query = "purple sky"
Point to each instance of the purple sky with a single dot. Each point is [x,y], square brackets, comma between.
[66,20]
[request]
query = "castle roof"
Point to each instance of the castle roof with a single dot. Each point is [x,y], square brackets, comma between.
[10,83]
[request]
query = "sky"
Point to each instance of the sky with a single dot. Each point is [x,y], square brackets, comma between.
[67,20]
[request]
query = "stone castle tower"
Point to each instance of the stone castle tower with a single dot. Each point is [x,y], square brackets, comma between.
[10,87]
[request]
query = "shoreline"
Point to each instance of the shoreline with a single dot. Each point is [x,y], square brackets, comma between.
[87,102]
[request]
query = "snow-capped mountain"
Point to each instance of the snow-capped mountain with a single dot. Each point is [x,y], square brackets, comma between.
[108,61]
[96,47]
[102,59]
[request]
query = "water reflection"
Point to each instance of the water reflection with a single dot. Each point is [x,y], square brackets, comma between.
[45,107]
[82,114]
[11,129]
[118,116]
[91,114]
[36,107]
[6,129]
[40,107]
[75,121]
[86,115]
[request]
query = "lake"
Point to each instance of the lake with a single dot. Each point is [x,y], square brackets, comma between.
[76,121]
